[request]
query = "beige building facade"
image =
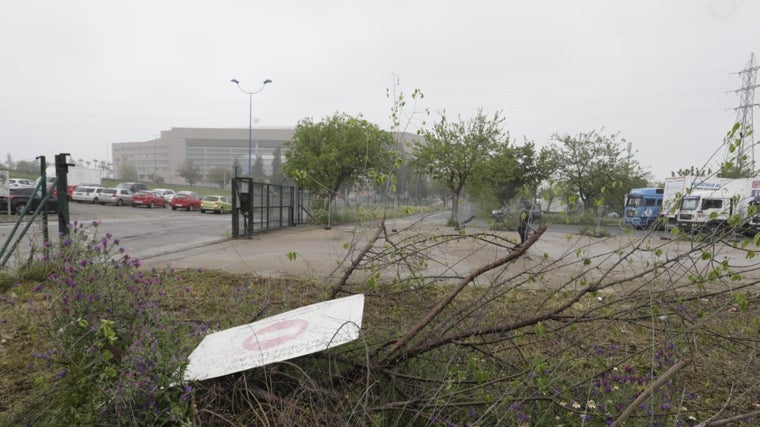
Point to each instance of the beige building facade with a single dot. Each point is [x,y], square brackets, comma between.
[206,147]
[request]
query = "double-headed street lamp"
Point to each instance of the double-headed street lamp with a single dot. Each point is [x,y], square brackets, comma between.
[250,117]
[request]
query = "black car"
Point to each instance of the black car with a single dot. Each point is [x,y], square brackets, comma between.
[19,197]
[501,215]
[133,187]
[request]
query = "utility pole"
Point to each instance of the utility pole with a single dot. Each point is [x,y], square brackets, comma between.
[746,149]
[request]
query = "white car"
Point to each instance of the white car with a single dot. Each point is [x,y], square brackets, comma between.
[167,194]
[87,194]
[20,183]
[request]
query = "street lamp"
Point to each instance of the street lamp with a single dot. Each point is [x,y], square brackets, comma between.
[250,117]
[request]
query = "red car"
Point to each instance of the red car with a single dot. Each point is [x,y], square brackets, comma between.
[148,198]
[186,200]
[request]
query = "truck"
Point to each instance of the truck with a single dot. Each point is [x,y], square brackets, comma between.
[76,176]
[710,209]
[642,207]
[678,186]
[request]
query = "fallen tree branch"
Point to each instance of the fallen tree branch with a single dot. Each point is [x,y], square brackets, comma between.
[649,390]
[518,252]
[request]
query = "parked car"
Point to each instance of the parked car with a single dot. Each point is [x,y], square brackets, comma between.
[501,215]
[186,200]
[87,193]
[115,196]
[20,183]
[19,197]
[149,199]
[166,193]
[133,187]
[216,204]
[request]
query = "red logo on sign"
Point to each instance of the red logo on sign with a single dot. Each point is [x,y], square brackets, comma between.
[257,342]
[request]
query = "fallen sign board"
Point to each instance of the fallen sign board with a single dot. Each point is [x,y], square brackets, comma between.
[285,336]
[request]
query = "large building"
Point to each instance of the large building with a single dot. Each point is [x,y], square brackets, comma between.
[206,147]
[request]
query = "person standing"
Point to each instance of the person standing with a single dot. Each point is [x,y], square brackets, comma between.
[523,223]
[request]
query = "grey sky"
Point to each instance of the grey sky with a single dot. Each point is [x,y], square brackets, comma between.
[79,75]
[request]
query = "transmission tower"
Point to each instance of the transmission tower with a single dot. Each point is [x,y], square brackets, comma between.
[746,146]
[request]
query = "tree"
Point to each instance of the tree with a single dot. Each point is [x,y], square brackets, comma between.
[257,169]
[324,156]
[512,171]
[155,178]
[738,164]
[593,167]
[692,171]
[277,176]
[9,163]
[28,166]
[219,176]
[452,151]
[127,172]
[190,171]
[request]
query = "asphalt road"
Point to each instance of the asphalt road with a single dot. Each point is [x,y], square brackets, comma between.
[154,233]
[143,232]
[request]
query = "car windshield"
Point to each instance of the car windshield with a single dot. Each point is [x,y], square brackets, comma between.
[211,198]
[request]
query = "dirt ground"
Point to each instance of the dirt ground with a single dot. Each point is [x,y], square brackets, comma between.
[555,258]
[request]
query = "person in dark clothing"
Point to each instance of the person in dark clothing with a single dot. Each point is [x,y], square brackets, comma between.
[523,224]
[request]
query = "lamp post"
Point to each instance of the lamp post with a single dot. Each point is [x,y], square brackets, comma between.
[250,117]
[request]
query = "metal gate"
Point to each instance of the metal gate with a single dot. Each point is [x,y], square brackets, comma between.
[258,207]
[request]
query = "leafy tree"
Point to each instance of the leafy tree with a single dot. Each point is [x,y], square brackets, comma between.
[219,176]
[257,169]
[277,176]
[737,164]
[594,168]
[512,171]
[452,151]
[692,171]
[155,178]
[324,156]
[28,166]
[127,172]
[190,172]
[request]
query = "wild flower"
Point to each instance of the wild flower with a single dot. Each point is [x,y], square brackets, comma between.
[114,351]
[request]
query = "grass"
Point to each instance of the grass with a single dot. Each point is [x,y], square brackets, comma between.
[582,368]
[552,374]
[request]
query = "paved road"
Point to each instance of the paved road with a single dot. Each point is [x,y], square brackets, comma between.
[143,232]
[194,240]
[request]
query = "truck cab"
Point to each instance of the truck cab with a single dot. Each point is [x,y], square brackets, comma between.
[642,207]
[701,210]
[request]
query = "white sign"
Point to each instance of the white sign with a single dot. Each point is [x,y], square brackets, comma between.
[5,183]
[292,334]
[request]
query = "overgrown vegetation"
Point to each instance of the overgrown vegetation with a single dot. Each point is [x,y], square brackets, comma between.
[569,340]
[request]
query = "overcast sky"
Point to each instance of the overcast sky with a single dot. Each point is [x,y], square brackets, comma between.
[79,75]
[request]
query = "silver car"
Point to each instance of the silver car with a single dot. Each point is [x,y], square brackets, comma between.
[87,194]
[116,197]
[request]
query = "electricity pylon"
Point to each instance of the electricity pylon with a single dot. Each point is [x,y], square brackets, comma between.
[743,157]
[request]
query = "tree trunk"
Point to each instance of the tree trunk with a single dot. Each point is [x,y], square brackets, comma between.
[454,220]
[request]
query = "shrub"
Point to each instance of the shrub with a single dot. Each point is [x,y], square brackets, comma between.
[115,358]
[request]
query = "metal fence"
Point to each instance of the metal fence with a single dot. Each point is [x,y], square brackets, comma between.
[270,207]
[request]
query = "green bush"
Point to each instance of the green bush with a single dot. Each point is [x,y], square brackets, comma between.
[114,358]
